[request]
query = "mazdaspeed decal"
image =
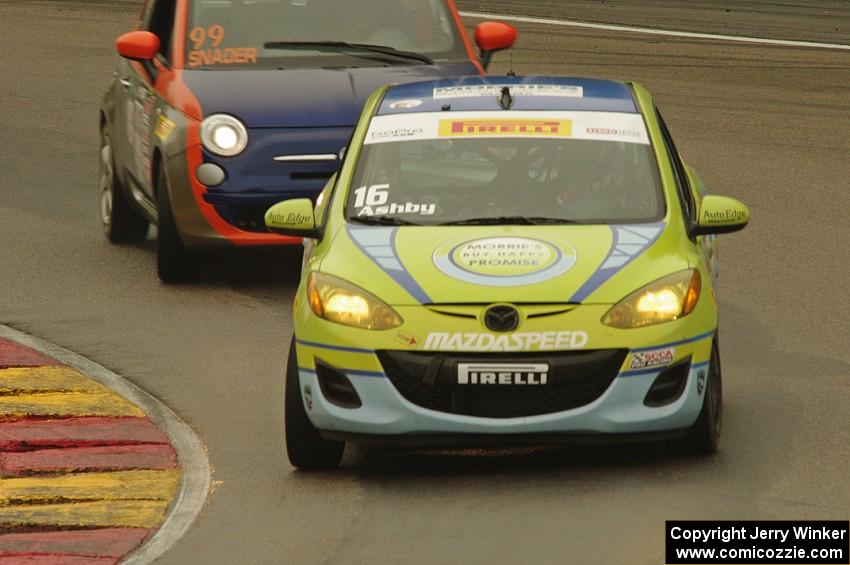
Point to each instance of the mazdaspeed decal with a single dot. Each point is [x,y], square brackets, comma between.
[627,244]
[504,261]
[378,243]
[519,341]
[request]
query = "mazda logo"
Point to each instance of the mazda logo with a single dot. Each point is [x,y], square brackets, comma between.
[501,318]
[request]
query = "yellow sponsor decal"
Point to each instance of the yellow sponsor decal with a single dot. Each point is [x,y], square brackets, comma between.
[163,128]
[491,127]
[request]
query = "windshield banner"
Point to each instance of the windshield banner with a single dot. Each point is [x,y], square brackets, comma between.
[603,126]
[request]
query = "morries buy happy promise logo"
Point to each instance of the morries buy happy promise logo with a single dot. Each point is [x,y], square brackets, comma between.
[504,261]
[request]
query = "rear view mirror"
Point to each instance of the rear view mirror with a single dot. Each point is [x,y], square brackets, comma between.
[292,217]
[721,214]
[138,45]
[492,37]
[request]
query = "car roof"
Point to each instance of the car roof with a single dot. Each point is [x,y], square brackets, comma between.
[481,93]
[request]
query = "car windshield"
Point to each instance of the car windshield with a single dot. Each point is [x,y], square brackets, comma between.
[320,33]
[510,168]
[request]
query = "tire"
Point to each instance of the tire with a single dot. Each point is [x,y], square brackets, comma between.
[121,222]
[704,435]
[306,447]
[174,262]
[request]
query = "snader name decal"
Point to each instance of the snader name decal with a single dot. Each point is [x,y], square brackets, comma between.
[520,341]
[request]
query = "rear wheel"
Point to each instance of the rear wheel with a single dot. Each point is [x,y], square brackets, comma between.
[174,262]
[704,435]
[121,222]
[306,447]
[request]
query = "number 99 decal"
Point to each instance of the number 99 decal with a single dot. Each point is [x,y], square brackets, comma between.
[215,54]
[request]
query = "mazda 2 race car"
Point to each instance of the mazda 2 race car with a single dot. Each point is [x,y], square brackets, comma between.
[220,108]
[506,260]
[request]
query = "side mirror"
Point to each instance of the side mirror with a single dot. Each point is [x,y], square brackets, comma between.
[720,214]
[292,217]
[492,37]
[138,45]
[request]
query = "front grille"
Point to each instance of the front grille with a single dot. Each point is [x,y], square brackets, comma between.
[429,380]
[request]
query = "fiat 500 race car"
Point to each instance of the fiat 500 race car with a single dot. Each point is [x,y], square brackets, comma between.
[221,108]
[506,260]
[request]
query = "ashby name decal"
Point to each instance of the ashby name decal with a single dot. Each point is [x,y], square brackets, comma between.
[520,341]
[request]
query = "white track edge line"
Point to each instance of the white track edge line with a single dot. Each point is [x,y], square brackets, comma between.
[652,31]
[195,476]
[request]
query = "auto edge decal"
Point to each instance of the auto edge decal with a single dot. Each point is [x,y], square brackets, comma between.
[504,261]
[627,244]
[378,243]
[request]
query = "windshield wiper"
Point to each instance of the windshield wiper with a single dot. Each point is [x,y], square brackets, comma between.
[507,220]
[344,45]
[382,221]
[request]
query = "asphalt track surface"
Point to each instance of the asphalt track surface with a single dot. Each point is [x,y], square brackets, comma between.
[765,124]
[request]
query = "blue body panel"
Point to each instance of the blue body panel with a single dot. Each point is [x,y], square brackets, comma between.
[598,95]
[303,98]
[290,112]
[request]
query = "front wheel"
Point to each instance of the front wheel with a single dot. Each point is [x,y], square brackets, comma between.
[306,447]
[174,262]
[704,435]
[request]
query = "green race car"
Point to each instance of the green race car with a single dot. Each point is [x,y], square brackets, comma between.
[506,260]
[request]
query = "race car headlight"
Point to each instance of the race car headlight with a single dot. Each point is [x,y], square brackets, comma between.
[664,300]
[223,135]
[339,301]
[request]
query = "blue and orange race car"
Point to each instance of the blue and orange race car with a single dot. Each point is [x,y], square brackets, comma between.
[220,108]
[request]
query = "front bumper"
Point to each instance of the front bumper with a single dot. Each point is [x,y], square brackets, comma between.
[619,408]
[232,212]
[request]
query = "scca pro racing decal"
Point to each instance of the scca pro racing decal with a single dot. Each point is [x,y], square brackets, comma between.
[520,341]
[654,358]
[504,261]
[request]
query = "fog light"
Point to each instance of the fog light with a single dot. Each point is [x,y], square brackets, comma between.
[210,174]
[336,387]
[669,385]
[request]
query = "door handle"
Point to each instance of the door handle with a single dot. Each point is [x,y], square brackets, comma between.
[124,82]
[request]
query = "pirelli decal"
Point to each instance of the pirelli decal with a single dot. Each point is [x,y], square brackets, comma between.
[505,128]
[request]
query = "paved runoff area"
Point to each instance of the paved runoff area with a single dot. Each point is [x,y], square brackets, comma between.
[85,476]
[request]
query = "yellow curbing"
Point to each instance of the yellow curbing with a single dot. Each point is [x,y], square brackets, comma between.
[68,404]
[116,485]
[22,380]
[103,513]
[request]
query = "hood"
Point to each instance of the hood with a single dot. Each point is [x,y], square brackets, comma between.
[270,98]
[519,264]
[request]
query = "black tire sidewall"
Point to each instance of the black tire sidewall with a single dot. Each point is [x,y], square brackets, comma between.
[175,263]
[305,446]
